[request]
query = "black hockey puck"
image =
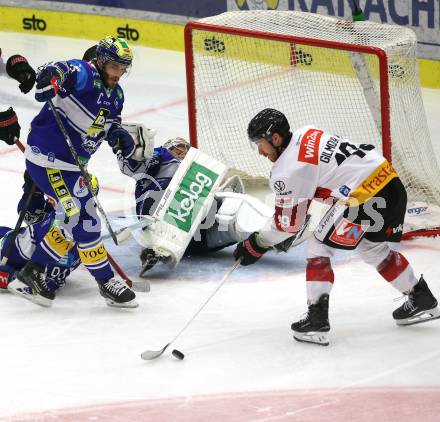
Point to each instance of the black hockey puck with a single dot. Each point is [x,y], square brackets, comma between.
[178,354]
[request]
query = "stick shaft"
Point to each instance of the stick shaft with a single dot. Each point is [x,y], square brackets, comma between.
[83,170]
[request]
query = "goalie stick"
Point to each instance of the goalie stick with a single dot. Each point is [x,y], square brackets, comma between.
[153,354]
[113,263]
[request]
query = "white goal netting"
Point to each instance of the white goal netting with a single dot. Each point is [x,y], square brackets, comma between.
[355,79]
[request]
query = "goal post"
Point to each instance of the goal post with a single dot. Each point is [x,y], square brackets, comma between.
[356,79]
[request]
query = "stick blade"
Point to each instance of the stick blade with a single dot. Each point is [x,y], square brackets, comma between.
[153,354]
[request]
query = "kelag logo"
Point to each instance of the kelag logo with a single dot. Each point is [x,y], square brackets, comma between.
[34,24]
[188,200]
[213,44]
[130,34]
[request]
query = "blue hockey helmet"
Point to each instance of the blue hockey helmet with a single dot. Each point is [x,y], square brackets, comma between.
[114,49]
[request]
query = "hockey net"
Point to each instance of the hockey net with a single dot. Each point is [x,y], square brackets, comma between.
[355,79]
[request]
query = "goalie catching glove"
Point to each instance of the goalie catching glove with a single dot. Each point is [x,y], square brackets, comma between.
[250,251]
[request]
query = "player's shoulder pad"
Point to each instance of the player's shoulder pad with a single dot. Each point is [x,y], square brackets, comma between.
[299,133]
[84,74]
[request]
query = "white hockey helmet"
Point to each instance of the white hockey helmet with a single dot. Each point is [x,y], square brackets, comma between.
[178,147]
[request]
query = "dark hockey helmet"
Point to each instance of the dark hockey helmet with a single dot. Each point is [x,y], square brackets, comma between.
[266,123]
[114,49]
[90,53]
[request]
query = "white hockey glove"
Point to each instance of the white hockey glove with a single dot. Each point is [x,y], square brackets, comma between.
[143,139]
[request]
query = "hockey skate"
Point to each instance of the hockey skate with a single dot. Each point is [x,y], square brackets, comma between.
[149,258]
[33,275]
[117,294]
[315,325]
[420,306]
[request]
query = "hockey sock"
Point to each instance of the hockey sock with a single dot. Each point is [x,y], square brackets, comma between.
[398,272]
[319,278]
[94,257]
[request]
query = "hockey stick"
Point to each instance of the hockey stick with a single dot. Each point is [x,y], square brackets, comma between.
[113,263]
[153,354]
[122,235]
[20,220]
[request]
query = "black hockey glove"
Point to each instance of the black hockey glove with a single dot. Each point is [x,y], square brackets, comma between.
[249,251]
[48,85]
[19,69]
[121,141]
[9,127]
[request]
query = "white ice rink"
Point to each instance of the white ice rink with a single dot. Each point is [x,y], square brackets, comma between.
[241,361]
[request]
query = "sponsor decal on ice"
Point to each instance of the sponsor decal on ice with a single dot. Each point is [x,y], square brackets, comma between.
[308,150]
[348,233]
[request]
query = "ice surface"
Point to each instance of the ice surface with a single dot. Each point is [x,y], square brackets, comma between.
[81,352]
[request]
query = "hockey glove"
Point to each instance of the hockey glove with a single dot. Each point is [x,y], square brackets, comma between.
[48,85]
[121,141]
[249,251]
[9,127]
[19,69]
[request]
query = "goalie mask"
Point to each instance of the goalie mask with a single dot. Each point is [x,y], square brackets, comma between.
[178,147]
[266,123]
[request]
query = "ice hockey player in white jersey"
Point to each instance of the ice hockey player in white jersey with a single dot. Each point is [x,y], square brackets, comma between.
[368,212]
[232,208]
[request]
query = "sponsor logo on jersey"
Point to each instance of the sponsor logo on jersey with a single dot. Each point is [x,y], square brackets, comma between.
[55,241]
[329,149]
[63,195]
[80,189]
[279,186]
[394,230]
[375,182]
[344,190]
[308,150]
[4,277]
[348,233]
[35,150]
[418,210]
[93,256]
[190,196]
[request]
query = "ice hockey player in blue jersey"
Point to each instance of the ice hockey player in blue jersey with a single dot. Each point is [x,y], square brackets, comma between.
[89,100]
[41,223]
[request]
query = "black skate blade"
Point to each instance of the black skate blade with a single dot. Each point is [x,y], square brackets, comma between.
[421,317]
[313,337]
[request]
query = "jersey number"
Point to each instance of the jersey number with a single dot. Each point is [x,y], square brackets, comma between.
[346,149]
